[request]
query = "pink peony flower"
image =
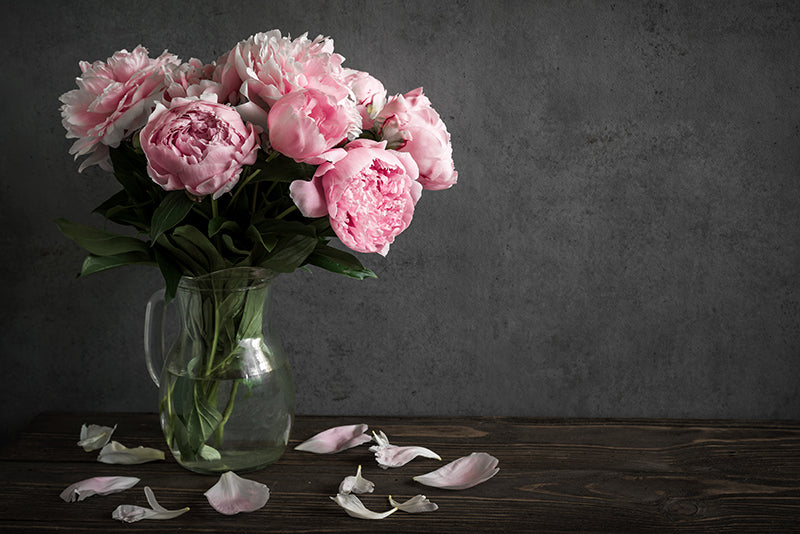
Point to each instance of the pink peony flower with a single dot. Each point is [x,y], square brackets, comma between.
[266,66]
[113,100]
[198,145]
[369,94]
[368,193]
[192,78]
[306,123]
[412,125]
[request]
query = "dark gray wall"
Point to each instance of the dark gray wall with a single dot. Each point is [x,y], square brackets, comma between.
[623,240]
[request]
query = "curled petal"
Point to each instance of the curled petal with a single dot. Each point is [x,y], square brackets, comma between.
[117,453]
[309,197]
[355,508]
[389,455]
[356,484]
[97,486]
[234,494]
[415,505]
[95,437]
[463,473]
[336,439]
[130,513]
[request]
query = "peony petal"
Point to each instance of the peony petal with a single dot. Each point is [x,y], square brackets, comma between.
[415,505]
[463,473]
[97,486]
[335,439]
[355,508]
[95,437]
[356,484]
[233,494]
[131,513]
[389,455]
[117,453]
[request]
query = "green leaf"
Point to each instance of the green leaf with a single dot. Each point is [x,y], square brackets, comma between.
[190,238]
[231,246]
[128,165]
[252,316]
[204,418]
[118,199]
[290,253]
[282,169]
[209,453]
[184,259]
[170,271]
[94,264]
[268,242]
[339,261]
[172,210]
[218,224]
[100,242]
[281,227]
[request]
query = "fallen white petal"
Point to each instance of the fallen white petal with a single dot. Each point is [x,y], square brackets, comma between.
[463,473]
[117,453]
[95,437]
[356,484]
[233,494]
[335,439]
[389,455]
[415,505]
[97,486]
[130,513]
[355,508]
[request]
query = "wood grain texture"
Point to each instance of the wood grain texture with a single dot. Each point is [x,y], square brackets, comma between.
[633,475]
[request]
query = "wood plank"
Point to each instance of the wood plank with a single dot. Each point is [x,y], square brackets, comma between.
[556,475]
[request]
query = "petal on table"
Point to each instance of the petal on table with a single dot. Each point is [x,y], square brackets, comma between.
[463,473]
[95,437]
[356,484]
[355,508]
[131,513]
[117,453]
[233,494]
[389,455]
[336,439]
[97,486]
[415,505]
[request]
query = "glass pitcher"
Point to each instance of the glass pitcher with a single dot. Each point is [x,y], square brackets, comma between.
[226,394]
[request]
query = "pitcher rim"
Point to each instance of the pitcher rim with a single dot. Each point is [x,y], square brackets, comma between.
[260,276]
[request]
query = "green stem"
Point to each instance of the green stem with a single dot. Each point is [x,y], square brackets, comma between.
[241,186]
[217,238]
[214,340]
[226,414]
[255,199]
[287,211]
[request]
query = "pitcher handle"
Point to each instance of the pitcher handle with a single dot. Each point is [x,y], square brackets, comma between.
[154,343]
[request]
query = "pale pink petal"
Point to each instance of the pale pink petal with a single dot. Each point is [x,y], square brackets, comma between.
[356,484]
[117,453]
[335,439]
[95,437]
[394,456]
[415,505]
[463,473]
[234,494]
[131,513]
[355,508]
[309,197]
[97,486]
[389,455]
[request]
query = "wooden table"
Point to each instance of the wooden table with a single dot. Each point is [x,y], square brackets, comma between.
[556,475]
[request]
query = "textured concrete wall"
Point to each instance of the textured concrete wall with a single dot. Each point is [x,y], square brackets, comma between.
[623,240]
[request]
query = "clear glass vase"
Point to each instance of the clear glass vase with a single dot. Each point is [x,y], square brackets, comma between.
[226,394]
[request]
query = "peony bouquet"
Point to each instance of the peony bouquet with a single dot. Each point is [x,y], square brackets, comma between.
[260,158]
